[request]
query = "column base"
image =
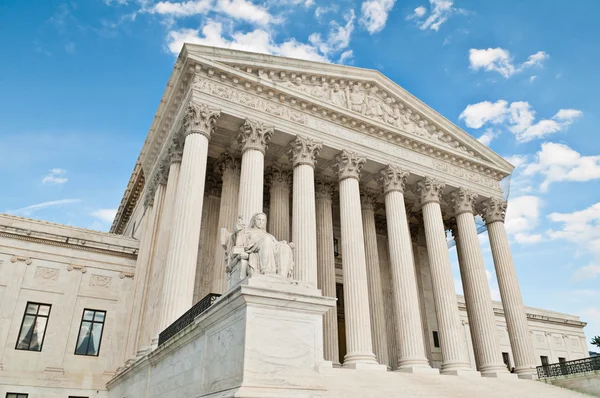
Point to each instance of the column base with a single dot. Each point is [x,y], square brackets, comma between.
[419,370]
[365,366]
[528,373]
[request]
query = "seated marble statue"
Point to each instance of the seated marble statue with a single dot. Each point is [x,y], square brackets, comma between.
[261,250]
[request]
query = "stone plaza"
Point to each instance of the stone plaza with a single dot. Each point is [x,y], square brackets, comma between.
[276,186]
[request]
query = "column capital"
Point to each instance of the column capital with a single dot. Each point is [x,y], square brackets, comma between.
[278,176]
[162,174]
[200,119]
[393,178]
[304,151]
[175,149]
[429,190]
[255,135]
[150,188]
[213,186]
[325,188]
[381,225]
[493,209]
[451,226]
[463,201]
[368,199]
[227,163]
[348,164]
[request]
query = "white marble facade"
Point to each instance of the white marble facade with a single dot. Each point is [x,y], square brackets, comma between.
[329,153]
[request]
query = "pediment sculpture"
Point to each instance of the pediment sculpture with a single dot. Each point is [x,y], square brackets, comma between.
[251,249]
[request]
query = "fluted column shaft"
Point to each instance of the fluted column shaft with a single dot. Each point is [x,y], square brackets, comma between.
[478,299]
[326,268]
[279,180]
[303,155]
[452,344]
[388,296]
[209,235]
[180,268]
[228,167]
[411,347]
[359,344]
[512,301]
[378,329]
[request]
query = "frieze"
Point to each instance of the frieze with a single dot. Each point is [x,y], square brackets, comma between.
[257,102]
[46,273]
[100,281]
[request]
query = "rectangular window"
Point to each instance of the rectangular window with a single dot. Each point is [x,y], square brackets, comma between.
[33,327]
[544,360]
[16,395]
[436,339]
[562,360]
[506,359]
[90,333]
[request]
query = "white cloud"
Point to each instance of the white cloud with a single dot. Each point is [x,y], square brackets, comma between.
[558,162]
[55,177]
[516,160]
[420,11]
[242,10]
[440,11]
[487,137]
[374,14]
[499,60]
[519,118]
[30,210]
[522,216]
[338,38]
[105,215]
[586,273]
[532,78]
[346,56]
[185,9]
[258,40]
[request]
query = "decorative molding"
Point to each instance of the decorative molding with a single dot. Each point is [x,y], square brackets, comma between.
[100,280]
[463,201]
[46,273]
[429,190]
[368,199]
[277,176]
[77,267]
[227,163]
[255,135]
[348,164]
[26,260]
[393,178]
[325,188]
[124,275]
[304,151]
[200,119]
[381,225]
[493,210]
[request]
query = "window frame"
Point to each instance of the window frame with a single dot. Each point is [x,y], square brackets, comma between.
[436,339]
[103,323]
[17,394]
[25,314]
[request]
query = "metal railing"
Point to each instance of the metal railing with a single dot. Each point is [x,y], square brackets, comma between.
[187,318]
[569,367]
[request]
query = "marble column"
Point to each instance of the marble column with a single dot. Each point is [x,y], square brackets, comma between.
[493,212]
[254,137]
[452,343]
[411,348]
[386,287]
[303,154]
[198,124]
[359,345]
[482,322]
[154,306]
[326,266]
[228,168]
[279,181]
[378,329]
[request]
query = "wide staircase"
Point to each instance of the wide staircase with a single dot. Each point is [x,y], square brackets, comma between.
[347,383]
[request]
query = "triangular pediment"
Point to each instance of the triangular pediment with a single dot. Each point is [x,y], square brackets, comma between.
[354,95]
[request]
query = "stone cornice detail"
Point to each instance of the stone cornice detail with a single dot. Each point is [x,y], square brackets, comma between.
[325,188]
[277,176]
[493,210]
[304,151]
[228,163]
[393,178]
[368,199]
[429,190]
[199,119]
[255,135]
[348,164]
[463,201]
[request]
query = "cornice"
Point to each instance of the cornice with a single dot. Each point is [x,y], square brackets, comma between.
[132,194]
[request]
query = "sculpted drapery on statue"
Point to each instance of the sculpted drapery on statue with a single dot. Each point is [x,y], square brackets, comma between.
[252,250]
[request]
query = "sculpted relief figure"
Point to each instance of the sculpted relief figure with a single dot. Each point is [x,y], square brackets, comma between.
[373,106]
[296,84]
[356,100]
[338,96]
[253,250]
[321,91]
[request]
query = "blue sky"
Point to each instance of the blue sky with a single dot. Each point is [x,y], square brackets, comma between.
[80,82]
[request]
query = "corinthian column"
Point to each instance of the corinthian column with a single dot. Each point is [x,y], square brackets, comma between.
[452,344]
[303,156]
[254,137]
[180,269]
[359,345]
[409,337]
[227,167]
[378,331]
[209,235]
[326,267]
[494,211]
[475,285]
[279,181]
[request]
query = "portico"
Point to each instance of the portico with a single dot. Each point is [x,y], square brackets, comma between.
[324,151]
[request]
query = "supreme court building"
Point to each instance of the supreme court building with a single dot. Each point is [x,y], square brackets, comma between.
[361,176]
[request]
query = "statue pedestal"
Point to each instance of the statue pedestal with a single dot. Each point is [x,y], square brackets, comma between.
[262,338]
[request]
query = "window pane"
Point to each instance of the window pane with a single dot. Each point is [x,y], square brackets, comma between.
[88,315]
[31,308]
[26,333]
[99,316]
[95,339]
[82,341]
[38,334]
[44,310]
